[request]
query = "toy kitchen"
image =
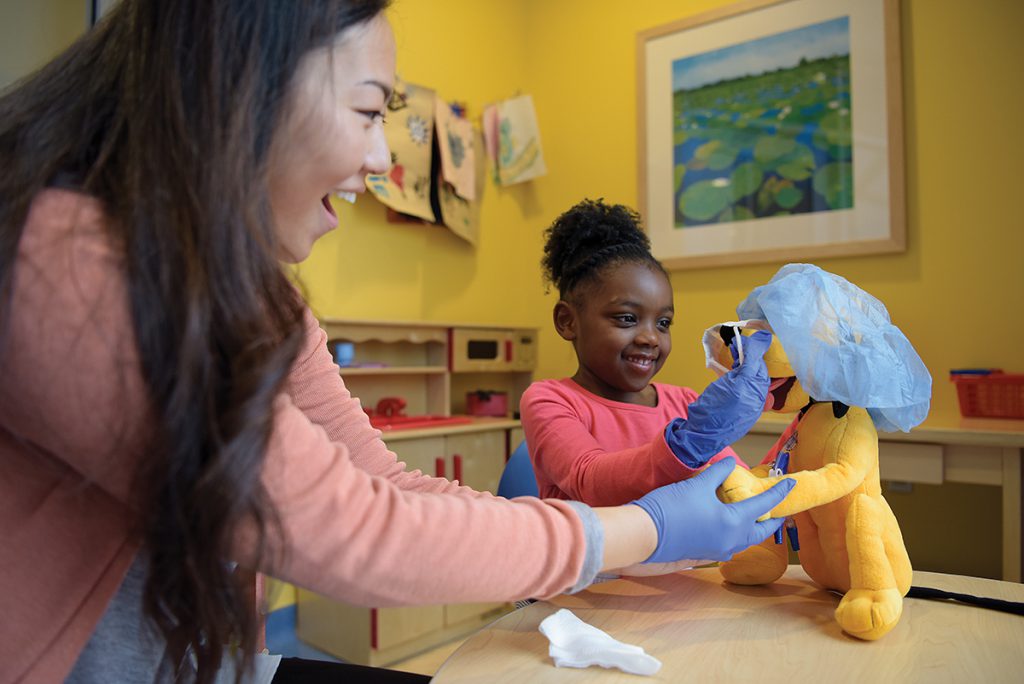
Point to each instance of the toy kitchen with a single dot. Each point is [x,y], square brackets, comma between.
[415,376]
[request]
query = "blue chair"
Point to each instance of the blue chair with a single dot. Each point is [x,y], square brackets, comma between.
[518,478]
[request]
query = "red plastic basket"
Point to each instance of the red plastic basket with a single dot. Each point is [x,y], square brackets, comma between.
[990,395]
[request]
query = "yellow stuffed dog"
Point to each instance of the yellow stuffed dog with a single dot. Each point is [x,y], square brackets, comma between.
[848,538]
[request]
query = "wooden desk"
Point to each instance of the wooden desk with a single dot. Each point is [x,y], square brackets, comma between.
[980,451]
[704,630]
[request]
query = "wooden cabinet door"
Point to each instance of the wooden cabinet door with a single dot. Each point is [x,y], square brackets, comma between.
[398,625]
[421,454]
[478,458]
[516,436]
[477,461]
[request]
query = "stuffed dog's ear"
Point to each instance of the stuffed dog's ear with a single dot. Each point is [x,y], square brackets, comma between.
[839,409]
[728,333]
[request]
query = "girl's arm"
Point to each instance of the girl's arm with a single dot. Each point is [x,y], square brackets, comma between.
[571,463]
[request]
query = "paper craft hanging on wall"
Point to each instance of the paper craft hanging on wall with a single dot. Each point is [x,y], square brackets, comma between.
[462,216]
[410,133]
[489,123]
[515,138]
[455,142]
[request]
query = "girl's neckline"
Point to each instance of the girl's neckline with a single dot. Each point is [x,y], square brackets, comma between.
[619,404]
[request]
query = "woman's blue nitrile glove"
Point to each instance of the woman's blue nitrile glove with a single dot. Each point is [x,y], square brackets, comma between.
[693,523]
[727,409]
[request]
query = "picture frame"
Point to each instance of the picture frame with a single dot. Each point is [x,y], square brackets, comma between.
[760,141]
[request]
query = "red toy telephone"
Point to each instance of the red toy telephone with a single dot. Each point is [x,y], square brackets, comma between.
[390,407]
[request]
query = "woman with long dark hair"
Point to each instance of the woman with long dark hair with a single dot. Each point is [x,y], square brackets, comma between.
[168,407]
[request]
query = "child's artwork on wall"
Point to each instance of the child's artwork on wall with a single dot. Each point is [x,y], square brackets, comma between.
[489,126]
[455,143]
[513,139]
[461,215]
[410,134]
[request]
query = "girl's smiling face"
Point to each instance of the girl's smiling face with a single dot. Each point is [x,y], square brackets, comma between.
[619,326]
[331,136]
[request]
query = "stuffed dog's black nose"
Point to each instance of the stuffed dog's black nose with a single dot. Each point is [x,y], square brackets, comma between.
[728,333]
[839,409]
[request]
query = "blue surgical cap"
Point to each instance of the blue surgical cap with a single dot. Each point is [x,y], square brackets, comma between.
[842,345]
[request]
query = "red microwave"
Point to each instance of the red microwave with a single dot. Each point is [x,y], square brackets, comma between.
[491,350]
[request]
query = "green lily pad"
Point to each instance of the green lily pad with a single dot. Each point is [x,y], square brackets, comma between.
[769,148]
[680,172]
[736,212]
[717,154]
[788,195]
[798,165]
[765,197]
[834,182]
[703,200]
[837,126]
[745,179]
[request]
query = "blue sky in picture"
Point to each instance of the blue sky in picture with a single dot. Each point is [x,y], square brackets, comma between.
[778,51]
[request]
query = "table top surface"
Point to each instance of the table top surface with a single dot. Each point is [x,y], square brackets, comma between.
[969,431]
[703,629]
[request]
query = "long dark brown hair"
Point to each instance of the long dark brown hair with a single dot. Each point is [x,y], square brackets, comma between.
[165,112]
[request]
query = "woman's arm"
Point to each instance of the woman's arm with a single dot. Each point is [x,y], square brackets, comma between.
[316,388]
[630,537]
[361,539]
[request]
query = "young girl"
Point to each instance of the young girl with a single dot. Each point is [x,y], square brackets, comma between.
[609,434]
[168,405]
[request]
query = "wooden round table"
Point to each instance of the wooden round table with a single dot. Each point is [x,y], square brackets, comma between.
[703,629]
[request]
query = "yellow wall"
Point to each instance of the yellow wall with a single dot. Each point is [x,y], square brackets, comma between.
[953,292]
[474,52]
[33,32]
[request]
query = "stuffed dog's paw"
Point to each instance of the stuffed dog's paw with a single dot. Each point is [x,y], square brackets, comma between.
[760,564]
[740,485]
[869,614]
[743,484]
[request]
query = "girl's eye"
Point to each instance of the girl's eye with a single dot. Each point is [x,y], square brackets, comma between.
[625,319]
[665,323]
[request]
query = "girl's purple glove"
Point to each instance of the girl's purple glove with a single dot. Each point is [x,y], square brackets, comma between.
[727,409]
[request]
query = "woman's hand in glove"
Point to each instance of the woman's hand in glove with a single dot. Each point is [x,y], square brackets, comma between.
[692,523]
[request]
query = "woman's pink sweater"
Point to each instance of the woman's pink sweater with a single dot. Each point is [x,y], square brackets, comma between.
[75,422]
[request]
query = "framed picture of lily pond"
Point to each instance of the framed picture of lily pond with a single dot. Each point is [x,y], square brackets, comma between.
[771,130]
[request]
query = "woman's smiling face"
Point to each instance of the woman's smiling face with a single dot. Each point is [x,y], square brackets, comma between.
[332,134]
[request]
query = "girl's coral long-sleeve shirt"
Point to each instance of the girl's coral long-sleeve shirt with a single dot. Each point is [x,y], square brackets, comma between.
[602,452]
[74,424]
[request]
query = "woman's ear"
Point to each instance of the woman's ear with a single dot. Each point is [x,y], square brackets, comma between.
[565,320]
